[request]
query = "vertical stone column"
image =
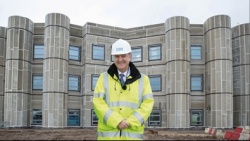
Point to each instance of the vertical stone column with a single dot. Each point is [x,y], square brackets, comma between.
[177,39]
[218,72]
[241,74]
[18,71]
[55,70]
[2,69]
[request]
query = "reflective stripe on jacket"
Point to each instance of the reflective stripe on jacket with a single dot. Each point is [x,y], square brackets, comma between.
[112,104]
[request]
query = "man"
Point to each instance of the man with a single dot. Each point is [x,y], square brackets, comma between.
[123,98]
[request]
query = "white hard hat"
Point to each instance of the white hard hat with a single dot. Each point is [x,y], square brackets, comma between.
[121,47]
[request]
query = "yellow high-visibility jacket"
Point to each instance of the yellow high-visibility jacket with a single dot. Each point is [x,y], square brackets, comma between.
[112,104]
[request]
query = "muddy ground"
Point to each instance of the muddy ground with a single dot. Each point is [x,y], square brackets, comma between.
[90,134]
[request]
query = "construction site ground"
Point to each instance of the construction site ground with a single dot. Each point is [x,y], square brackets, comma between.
[91,134]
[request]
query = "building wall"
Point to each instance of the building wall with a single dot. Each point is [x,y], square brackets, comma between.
[2,68]
[241,79]
[218,71]
[18,71]
[175,100]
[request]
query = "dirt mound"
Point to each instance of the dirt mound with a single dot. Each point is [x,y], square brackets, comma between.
[91,134]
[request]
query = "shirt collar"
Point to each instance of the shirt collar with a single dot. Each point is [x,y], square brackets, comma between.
[126,73]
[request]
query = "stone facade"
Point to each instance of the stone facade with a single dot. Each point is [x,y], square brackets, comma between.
[241,70]
[218,72]
[224,66]
[2,68]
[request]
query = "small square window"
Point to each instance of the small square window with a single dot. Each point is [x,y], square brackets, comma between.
[98,52]
[37,80]
[155,82]
[136,54]
[94,78]
[74,83]
[74,53]
[38,51]
[196,117]
[155,118]
[195,52]
[154,52]
[196,83]
[37,117]
[94,118]
[73,117]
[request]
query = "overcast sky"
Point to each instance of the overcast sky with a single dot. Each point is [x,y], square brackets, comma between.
[126,13]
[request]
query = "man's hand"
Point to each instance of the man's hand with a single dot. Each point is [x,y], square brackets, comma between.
[122,125]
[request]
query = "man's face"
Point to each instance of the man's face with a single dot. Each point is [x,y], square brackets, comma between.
[122,61]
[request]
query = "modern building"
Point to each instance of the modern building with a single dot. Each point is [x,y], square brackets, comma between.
[199,73]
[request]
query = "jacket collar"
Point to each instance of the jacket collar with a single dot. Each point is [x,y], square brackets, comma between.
[134,73]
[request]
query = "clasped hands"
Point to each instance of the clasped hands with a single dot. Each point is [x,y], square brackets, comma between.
[123,125]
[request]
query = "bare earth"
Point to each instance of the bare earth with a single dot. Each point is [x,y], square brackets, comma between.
[90,134]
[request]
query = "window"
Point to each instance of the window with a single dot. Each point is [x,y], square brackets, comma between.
[94,78]
[195,52]
[154,52]
[74,83]
[37,82]
[155,82]
[98,52]
[155,118]
[38,51]
[94,118]
[196,118]
[73,118]
[137,54]
[112,58]
[37,117]
[74,53]
[196,82]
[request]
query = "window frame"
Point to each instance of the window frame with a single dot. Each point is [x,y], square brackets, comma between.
[79,116]
[79,82]
[160,117]
[202,81]
[79,53]
[92,76]
[38,110]
[156,76]
[33,75]
[92,118]
[98,45]
[154,46]
[195,55]
[136,48]
[202,117]
[34,49]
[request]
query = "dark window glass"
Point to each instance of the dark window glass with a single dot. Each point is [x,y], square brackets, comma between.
[73,117]
[196,118]
[37,82]
[155,118]
[137,54]
[154,52]
[94,118]
[98,52]
[195,52]
[74,53]
[38,51]
[196,82]
[37,117]
[155,82]
[74,83]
